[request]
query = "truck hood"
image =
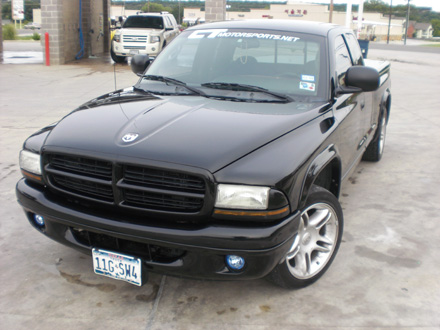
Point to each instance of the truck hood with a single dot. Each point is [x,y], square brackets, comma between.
[186,130]
[137,31]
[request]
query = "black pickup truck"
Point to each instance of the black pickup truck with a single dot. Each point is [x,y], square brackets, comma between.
[224,161]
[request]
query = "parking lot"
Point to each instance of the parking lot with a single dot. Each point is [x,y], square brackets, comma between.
[386,274]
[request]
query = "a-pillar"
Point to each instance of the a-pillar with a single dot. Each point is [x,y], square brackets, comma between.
[215,10]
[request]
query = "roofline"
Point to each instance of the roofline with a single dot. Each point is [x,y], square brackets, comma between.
[310,27]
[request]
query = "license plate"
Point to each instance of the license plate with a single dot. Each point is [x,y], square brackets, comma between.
[117,266]
[134,52]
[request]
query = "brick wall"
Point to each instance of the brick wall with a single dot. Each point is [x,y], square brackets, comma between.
[215,10]
[70,29]
[60,18]
[51,22]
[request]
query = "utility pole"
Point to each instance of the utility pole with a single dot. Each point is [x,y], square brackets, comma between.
[1,34]
[330,19]
[389,22]
[407,19]
[348,15]
[360,18]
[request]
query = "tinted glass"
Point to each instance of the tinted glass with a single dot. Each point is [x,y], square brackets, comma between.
[355,50]
[144,22]
[343,60]
[288,63]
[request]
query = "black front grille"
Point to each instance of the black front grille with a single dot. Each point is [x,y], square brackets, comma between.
[136,187]
[148,252]
[82,166]
[84,187]
[163,179]
[157,201]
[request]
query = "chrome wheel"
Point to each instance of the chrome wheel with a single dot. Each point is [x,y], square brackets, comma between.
[316,241]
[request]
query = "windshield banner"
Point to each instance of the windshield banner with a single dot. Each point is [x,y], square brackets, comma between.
[223,33]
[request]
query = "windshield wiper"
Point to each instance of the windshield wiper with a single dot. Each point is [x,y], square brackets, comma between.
[173,81]
[246,88]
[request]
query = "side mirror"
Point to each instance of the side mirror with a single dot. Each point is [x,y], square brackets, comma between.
[359,79]
[364,77]
[139,63]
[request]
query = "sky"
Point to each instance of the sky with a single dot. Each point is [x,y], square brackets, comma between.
[435,4]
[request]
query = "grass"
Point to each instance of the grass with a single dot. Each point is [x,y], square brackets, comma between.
[24,38]
[35,37]
[432,45]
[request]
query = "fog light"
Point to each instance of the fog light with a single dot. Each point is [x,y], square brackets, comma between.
[39,220]
[235,262]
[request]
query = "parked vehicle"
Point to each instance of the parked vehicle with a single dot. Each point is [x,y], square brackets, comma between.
[33,26]
[224,161]
[146,33]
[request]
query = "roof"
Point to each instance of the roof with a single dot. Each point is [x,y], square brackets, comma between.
[316,28]
[152,14]
[422,26]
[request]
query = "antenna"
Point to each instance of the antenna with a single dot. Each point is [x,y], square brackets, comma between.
[114,74]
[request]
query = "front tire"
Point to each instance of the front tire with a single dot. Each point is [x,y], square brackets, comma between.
[116,58]
[315,246]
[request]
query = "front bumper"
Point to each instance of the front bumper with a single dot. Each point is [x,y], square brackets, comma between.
[197,251]
[122,49]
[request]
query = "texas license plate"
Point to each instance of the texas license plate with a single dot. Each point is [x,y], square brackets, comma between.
[117,266]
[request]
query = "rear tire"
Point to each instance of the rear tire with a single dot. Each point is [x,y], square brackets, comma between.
[315,246]
[374,151]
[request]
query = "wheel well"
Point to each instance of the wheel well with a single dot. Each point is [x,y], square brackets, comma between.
[330,177]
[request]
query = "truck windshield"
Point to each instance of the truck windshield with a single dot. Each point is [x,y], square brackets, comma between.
[144,22]
[281,62]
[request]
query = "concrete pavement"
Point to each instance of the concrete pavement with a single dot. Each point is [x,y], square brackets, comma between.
[386,274]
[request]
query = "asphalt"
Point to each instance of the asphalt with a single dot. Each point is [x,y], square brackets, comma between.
[433,48]
[386,274]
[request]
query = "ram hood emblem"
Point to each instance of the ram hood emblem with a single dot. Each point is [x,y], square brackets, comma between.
[130,137]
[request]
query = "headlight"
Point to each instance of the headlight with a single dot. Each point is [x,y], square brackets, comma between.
[154,39]
[30,162]
[242,197]
[117,37]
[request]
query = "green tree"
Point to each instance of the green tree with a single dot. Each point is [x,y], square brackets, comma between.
[6,10]
[436,26]
[155,8]
[175,12]
[376,6]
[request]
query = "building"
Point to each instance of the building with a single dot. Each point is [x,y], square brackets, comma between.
[419,30]
[374,24]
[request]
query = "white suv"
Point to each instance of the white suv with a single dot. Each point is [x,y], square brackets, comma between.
[145,33]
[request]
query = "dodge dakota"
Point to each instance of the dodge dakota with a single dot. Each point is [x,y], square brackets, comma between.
[224,161]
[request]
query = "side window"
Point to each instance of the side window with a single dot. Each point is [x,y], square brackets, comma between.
[168,22]
[342,58]
[355,50]
[173,21]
